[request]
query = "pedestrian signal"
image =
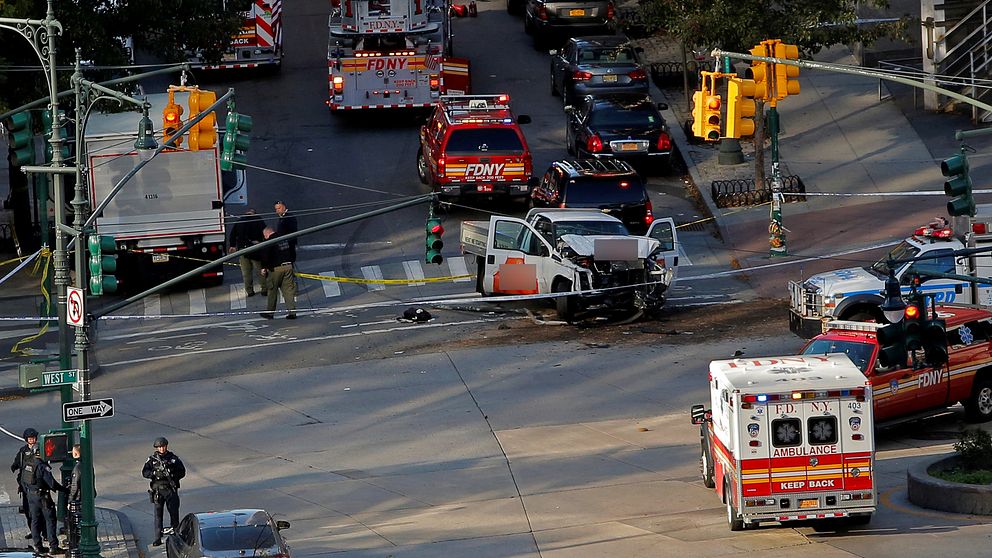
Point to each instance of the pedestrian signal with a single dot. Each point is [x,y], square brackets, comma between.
[54,446]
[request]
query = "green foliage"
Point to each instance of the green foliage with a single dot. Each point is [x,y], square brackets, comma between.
[738,25]
[975,449]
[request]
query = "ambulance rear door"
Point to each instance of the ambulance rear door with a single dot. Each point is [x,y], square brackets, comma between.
[806,454]
[755,447]
[857,443]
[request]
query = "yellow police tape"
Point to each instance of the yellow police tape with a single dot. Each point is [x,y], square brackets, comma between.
[46,255]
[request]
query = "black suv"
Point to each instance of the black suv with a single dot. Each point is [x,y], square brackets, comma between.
[552,20]
[610,185]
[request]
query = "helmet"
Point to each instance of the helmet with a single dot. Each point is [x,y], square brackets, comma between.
[30,433]
[160,442]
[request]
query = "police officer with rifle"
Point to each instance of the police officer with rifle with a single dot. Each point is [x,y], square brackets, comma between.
[164,469]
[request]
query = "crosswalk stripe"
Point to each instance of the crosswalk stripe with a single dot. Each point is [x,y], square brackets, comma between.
[683,258]
[458,267]
[373,272]
[197,301]
[331,288]
[413,271]
[238,300]
[153,306]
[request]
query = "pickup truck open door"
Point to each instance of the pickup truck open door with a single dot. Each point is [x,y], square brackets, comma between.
[663,230]
[518,259]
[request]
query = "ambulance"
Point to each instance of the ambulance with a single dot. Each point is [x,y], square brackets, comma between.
[789,438]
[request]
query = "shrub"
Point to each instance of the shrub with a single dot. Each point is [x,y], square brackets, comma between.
[975,448]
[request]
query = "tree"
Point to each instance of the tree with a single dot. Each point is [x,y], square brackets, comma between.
[162,30]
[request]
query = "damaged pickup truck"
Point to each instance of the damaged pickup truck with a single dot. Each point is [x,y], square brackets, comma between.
[585,253]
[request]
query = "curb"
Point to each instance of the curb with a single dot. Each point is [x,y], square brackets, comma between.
[937,494]
[127,532]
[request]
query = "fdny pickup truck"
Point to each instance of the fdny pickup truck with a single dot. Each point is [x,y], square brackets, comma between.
[904,392]
[472,145]
[789,438]
[856,293]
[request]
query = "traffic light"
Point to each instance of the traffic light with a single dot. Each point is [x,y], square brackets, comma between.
[434,242]
[54,446]
[913,325]
[892,346]
[958,185]
[203,135]
[697,113]
[760,72]
[236,140]
[740,107]
[172,120]
[103,264]
[712,117]
[785,74]
[20,130]
[935,342]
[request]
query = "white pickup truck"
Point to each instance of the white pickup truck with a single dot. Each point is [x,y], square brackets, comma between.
[579,251]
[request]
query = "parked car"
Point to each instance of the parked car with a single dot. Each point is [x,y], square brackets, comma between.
[228,534]
[596,66]
[625,126]
[611,186]
[551,20]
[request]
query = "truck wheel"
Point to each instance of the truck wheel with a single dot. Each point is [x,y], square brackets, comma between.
[978,408]
[736,523]
[554,90]
[565,305]
[422,167]
[858,520]
[705,464]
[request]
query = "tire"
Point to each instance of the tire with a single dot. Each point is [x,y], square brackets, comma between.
[554,90]
[705,465]
[978,407]
[569,141]
[565,305]
[422,167]
[735,523]
[859,520]
[528,26]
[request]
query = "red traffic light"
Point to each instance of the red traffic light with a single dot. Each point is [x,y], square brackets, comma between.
[437,229]
[912,312]
[713,103]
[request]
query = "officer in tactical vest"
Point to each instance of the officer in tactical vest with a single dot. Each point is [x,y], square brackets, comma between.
[164,469]
[38,483]
[26,451]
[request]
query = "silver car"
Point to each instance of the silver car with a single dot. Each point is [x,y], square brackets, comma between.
[228,534]
[596,66]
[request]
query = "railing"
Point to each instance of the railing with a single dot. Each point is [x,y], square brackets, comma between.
[966,54]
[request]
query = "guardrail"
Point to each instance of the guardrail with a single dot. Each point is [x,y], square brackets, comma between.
[741,192]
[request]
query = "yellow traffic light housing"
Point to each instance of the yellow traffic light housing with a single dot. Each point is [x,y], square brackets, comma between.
[712,117]
[740,107]
[706,105]
[786,82]
[172,120]
[761,73]
[697,113]
[204,134]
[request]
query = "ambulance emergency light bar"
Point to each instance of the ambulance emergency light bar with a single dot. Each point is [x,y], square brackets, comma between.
[477,102]
[859,393]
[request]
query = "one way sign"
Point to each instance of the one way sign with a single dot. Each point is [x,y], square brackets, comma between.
[85,410]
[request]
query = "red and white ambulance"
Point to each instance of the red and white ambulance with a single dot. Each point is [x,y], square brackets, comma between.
[789,438]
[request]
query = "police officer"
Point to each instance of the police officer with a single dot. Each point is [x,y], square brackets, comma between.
[164,469]
[38,483]
[27,451]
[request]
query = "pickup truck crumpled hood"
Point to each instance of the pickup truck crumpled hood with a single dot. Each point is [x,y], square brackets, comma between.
[584,245]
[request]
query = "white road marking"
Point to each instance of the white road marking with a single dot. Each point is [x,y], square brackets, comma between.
[683,257]
[331,288]
[414,271]
[373,272]
[238,300]
[160,339]
[337,245]
[153,306]
[457,267]
[197,301]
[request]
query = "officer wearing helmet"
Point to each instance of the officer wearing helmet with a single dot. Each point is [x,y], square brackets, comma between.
[26,452]
[36,484]
[164,469]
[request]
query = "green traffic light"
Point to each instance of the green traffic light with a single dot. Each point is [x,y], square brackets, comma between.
[892,348]
[958,185]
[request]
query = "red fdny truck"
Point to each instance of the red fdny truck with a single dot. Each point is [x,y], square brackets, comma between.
[789,438]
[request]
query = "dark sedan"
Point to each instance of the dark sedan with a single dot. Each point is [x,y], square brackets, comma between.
[596,66]
[623,126]
[228,534]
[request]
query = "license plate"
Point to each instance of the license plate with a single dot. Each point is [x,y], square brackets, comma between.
[484,188]
[628,147]
[809,503]
[609,78]
[160,258]
[576,13]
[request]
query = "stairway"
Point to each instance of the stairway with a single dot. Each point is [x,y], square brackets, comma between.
[957,42]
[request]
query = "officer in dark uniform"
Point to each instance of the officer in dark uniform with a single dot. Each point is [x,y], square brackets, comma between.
[27,450]
[277,267]
[164,469]
[38,483]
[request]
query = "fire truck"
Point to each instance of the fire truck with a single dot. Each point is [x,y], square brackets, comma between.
[391,54]
[789,438]
[259,43]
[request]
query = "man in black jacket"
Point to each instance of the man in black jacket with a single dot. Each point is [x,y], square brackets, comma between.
[29,448]
[245,233]
[38,483]
[277,267]
[164,469]
[286,224]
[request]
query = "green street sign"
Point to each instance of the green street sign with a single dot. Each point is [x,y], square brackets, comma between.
[59,377]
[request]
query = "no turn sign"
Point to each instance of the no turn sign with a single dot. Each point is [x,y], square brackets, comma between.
[74,307]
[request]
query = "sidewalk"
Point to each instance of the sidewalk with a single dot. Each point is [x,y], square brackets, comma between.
[117,539]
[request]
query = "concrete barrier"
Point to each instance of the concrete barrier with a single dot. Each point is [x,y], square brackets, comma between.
[937,494]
